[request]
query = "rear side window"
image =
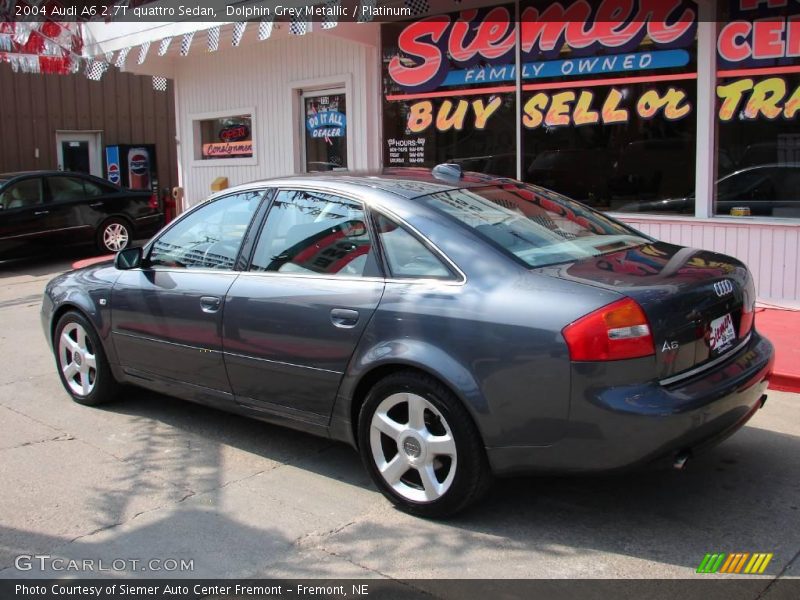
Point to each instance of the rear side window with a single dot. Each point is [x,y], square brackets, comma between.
[310,232]
[209,237]
[66,189]
[407,257]
[94,188]
[535,226]
[23,194]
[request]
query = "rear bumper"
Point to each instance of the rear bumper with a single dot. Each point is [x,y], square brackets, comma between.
[622,426]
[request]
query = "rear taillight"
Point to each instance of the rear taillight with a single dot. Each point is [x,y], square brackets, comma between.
[153,202]
[614,332]
[746,322]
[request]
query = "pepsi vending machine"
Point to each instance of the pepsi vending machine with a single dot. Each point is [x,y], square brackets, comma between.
[132,166]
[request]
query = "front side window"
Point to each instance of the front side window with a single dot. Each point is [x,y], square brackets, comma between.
[407,257]
[535,226]
[66,189]
[209,237]
[314,233]
[25,194]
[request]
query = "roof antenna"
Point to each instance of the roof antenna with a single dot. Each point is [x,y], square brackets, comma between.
[447,171]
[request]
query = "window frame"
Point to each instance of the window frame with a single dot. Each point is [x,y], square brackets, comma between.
[196,145]
[455,274]
[65,175]
[307,93]
[244,248]
[257,231]
[504,251]
[44,200]
[459,278]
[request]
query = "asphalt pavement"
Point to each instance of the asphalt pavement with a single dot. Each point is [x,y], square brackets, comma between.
[217,495]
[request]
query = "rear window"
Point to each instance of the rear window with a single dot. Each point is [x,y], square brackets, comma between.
[535,226]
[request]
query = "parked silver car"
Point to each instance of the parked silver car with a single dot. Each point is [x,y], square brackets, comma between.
[451,326]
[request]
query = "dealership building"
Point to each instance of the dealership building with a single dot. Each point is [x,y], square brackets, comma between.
[678,117]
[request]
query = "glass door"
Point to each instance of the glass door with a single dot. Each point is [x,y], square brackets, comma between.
[325,131]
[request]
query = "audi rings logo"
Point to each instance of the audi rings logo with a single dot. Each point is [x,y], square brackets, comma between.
[723,288]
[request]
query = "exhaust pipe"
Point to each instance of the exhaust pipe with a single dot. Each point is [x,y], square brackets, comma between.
[763,400]
[681,459]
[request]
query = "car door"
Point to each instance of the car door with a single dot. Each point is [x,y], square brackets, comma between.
[292,321]
[66,209]
[102,201]
[167,316]
[24,227]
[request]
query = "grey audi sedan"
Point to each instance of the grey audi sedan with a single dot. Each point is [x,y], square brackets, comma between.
[451,326]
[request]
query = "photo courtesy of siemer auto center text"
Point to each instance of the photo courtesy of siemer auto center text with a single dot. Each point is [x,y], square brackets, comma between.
[399,299]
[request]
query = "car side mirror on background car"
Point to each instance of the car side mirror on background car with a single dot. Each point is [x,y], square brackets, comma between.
[129,258]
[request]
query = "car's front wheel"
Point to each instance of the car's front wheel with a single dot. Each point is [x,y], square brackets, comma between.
[421,447]
[114,235]
[81,361]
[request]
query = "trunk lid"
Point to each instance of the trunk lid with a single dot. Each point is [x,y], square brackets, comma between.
[693,299]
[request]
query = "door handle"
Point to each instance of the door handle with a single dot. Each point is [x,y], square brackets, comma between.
[344,317]
[210,304]
[95,205]
[40,213]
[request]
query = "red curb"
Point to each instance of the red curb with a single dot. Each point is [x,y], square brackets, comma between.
[91,261]
[782,328]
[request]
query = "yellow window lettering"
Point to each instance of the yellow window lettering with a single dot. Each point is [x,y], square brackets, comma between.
[792,104]
[532,117]
[583,114]
[420,116]
[482,113]
[559,109]
[445,120]
[765,98]
[731,95]
[612,113]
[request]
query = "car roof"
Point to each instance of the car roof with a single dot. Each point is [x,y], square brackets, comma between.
[407,183]
[789,165]
[14,174]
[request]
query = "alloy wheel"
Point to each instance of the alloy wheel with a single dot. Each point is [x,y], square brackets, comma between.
[77,359]
[115,236]
[413,447]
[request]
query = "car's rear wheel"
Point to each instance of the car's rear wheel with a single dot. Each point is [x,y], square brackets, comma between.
[81,361]
[421,447]
[114,235]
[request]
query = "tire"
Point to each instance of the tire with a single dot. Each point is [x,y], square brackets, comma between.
[114,235]
[421,447]
[81,361]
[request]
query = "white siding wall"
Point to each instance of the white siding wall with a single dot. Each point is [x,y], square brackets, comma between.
[771,250]
[261,76]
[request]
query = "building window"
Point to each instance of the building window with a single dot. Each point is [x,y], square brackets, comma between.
[443,104]
[758,95]
[224,137]
[325,127]
[607,113]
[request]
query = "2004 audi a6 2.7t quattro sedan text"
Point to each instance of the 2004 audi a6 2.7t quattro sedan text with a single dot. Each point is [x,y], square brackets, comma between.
[450,325]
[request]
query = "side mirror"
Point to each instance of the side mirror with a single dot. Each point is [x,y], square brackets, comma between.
[129,258]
